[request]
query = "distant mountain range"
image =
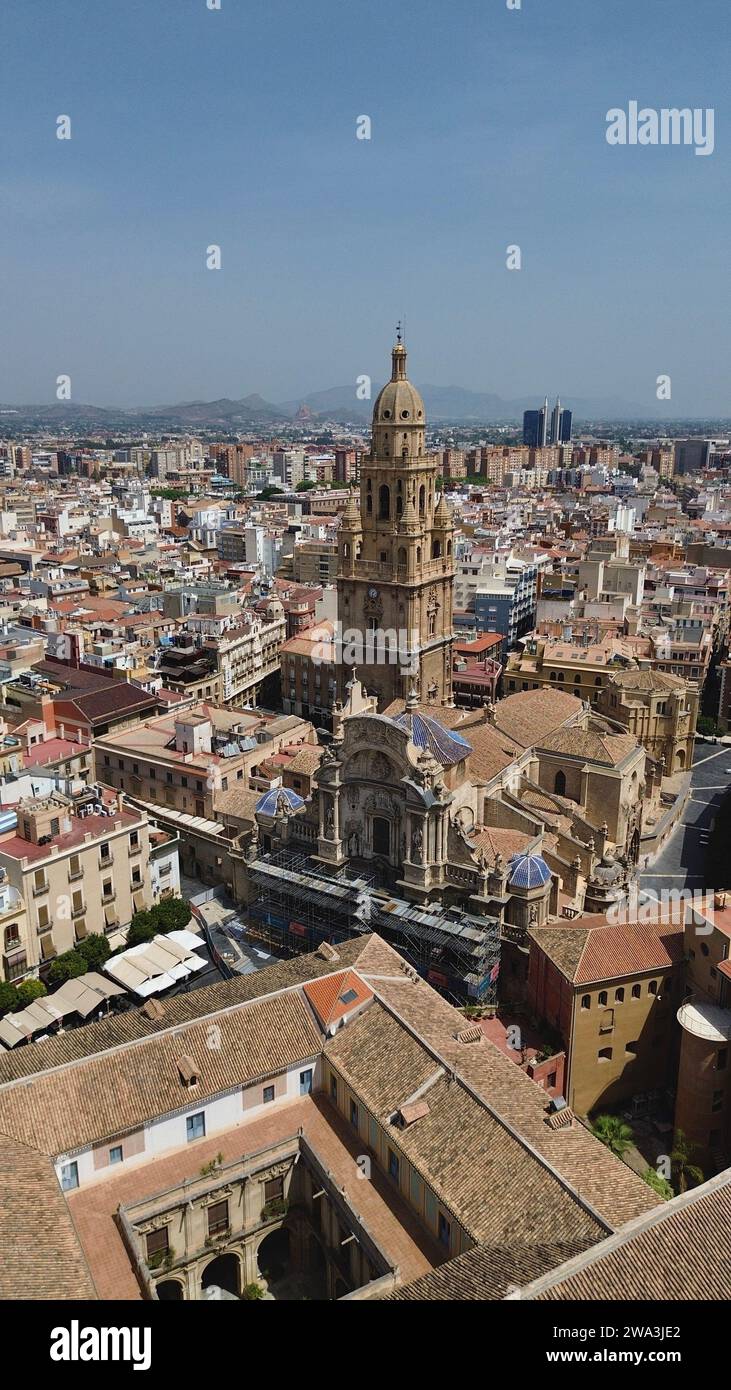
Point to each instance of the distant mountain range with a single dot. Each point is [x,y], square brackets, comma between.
[339,405]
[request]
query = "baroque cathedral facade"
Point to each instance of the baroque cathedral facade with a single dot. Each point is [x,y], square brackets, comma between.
[396,562]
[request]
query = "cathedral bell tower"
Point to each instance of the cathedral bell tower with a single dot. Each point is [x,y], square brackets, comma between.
[396,565]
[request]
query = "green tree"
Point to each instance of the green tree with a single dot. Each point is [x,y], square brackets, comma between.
[28,991]
[142,928]
[685,1173]
[8,997]
[305,486]
[67,967]
[613,1132]
[658,1184]
[172,914]
[94,950]
[269,491]
[251,1292]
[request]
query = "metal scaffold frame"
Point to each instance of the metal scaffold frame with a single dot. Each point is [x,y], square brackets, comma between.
[298,906]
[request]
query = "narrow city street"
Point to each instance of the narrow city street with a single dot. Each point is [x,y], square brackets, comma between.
[681,863]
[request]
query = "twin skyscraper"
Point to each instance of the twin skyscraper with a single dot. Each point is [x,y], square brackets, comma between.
[540,428]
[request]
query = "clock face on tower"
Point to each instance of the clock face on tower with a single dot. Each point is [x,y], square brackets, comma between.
[373,593]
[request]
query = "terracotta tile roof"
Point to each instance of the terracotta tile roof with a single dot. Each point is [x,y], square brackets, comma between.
[590,949]
[485,1272]
[531,715]
[680,1251]
[504,842]
[336,996]
[461,1149]
[181,1009]
[610,749]
[306,759]
[120,1090]
[41,1258]
[612,1189]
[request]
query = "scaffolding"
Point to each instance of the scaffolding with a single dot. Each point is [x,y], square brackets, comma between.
[298,906]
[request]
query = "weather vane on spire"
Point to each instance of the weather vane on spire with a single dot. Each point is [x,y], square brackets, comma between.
[398,331]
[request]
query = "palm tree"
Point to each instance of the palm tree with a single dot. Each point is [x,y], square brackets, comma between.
[614,1133]
[686,1174]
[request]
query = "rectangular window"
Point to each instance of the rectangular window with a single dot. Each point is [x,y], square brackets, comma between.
[394,1166]
[274,1190]
[445,1231]
[115,1154]
[39,880]
[196,1126]
[373,1133]
[267,1095]
[354,1115]
[721,1059]
[306,1082]
[334,1089]
[217,1218]
[69,1176]
[157,1242]
[43,918]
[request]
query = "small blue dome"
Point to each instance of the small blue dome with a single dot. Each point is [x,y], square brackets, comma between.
[528,871]
[447,746]
[269,803]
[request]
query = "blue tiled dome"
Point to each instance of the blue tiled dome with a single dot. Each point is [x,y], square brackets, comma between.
[528,871]
[268,802]
[447,746]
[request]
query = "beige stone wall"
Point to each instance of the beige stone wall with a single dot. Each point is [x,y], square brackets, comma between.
[644,1020]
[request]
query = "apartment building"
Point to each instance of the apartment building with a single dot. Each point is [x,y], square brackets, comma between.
[181,762]
[78,865]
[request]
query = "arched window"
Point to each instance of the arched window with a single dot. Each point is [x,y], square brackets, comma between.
[432,624]
[436,549]
[346,551]
[560,675]
[402,557]
[449,547]
[559,785]
[553,675]
[422,499]
[418,554]
[369,504]
[399,505]
[384,502]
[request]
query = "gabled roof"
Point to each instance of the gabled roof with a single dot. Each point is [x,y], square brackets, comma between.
[336,996]
[610,749]
[679,1251]
[590,949]
[531,715]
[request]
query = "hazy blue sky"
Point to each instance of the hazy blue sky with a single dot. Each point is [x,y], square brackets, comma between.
[237,127]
